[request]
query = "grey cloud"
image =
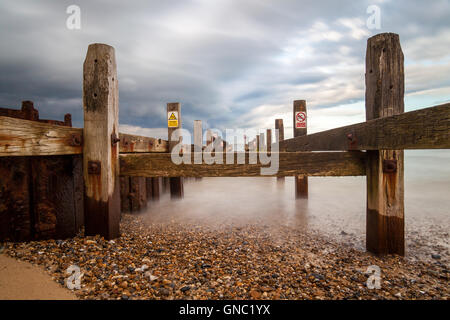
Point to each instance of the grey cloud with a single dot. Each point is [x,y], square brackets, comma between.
[219,59]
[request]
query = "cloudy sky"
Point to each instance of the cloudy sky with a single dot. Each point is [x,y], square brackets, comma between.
[232,64]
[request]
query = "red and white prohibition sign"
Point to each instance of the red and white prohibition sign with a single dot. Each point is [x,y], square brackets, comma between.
[300,119]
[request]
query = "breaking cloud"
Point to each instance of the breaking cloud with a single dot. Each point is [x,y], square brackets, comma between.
[232,64]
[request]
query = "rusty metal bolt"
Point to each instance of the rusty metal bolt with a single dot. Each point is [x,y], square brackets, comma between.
[389,166]
[350,137]
[76,140]
[94,167]
[114,139]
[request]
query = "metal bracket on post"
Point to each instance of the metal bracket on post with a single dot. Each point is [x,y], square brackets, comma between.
[389,166]
[76,140]
[114,139]
[94,167]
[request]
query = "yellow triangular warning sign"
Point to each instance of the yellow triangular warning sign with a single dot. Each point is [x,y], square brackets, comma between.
[172,117]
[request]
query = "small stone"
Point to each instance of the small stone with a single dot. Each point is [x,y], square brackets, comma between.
[205,265]
[436,256]
[255,294]
[124,297]
[104,295]
[211,290]
[317,276]
[398,295]
[164,291]
[150,276]
[142,268]
[185,288]
[344,233]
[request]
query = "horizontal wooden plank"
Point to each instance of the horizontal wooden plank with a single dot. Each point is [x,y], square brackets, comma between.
[131,143]
[290,164]
[427,128]
[20,137]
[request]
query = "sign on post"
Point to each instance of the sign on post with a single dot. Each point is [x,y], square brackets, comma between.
[172,119]
[300,119]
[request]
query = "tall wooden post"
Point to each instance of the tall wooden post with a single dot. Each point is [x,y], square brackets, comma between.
[174,111]
[269,140]
[156,188]
[198,141]
[101,147]
[262,142]
[279,136]
[148,188]
[385,191]
[125,194]
[138,194]
[257,143]
[208,137]
[300,129]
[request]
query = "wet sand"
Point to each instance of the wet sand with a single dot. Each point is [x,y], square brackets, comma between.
[22,281]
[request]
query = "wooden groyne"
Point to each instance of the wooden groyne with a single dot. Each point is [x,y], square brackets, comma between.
[373,148]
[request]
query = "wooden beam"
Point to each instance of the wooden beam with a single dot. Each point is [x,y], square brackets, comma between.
[20,137]
[100,149]
[290,164]
[130,143]
[385,225]
[427,128]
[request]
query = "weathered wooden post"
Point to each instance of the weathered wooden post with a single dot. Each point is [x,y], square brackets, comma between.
[156,188]
[148,188]
[300,129]
[101,147]
[138,194]
[279,136]
[262,142]
[269,140]
[174,123]
[209,137]
[125,194]
[385,192]
[257,143]
[198,141]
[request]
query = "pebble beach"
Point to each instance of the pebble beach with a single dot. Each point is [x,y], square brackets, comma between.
[245,261]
